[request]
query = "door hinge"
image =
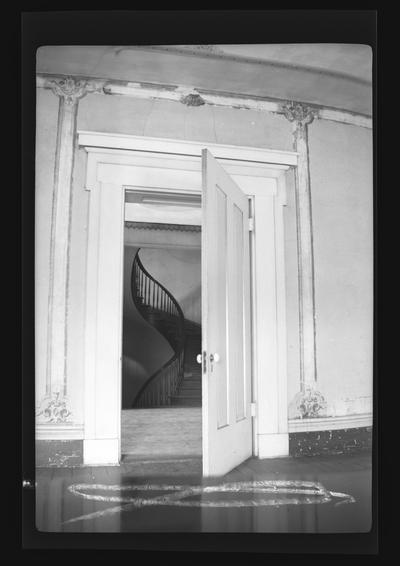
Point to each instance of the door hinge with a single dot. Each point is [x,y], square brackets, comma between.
[253,409]
[251,224]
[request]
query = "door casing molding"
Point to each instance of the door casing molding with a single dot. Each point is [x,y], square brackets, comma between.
[118,163]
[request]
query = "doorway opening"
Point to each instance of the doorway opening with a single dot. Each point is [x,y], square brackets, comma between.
[161,400]
[244,409]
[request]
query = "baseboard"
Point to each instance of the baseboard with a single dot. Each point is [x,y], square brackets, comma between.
[330,423]
[59,431]
[339,441]
[59,453]
[273,445]
[101,452]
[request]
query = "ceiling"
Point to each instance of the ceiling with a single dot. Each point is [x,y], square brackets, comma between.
[334,75]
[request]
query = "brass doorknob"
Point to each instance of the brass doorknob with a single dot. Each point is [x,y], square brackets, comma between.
[214,358]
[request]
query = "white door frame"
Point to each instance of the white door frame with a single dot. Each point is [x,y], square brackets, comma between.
[118,162]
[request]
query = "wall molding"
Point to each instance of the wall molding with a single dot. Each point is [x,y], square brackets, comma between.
[49,431]
[330,423]
[183,94]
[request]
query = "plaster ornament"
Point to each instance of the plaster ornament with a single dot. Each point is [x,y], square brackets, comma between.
[53,409]
[300,113]
[192,100]
[71,89]
[308,404]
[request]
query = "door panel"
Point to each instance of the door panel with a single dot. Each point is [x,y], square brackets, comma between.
[227,426]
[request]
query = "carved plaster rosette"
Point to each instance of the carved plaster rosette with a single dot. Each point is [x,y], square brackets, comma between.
[71,89]
[192,99]
[300,113]
[308,404]
[53,409]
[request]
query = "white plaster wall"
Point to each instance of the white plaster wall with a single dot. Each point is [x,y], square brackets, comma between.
[77,287]
[159,118]
[292,289]
[341,184]
[342,201]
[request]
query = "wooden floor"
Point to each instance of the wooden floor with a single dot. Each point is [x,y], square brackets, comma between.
[172,431]
[124,498]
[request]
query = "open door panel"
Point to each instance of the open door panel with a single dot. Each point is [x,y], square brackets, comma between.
[226,355]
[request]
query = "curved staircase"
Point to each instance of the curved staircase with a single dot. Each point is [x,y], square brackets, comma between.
[178,381]
[189,390]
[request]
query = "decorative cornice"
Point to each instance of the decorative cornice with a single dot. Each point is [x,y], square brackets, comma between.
[214,98]
[299,113]
[71,89]
[161,226]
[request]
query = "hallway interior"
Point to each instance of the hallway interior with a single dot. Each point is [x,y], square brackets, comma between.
[161,432]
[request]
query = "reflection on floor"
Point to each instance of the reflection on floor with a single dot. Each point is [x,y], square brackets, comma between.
[320,494]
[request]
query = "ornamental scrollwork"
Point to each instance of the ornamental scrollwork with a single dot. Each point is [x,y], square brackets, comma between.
[192,99]
[71,89]
[300,113]
[308,404]
[53,409]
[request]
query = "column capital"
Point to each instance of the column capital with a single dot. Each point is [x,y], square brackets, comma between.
[72,89]
[299,113]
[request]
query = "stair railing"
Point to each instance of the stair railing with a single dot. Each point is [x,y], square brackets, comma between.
[159,307]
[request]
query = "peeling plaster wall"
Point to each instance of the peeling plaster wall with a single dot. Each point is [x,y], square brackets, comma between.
[166,119]
[342,207]
[292,290]
[77,287]
[341,186]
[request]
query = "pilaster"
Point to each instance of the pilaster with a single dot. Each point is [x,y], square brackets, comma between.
[54,407]
[309,402]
